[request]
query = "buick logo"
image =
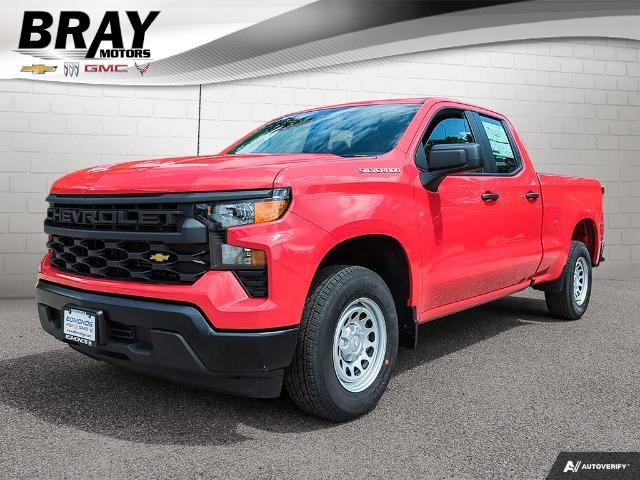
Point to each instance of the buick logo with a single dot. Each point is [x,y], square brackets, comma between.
[71,69]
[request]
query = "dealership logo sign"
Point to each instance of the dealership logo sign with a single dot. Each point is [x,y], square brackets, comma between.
[40,69]
[36,36]
[71,69]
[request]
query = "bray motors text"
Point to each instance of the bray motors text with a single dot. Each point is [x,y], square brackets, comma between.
[35,34]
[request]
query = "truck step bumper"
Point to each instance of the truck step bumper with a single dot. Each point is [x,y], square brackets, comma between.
[174,342]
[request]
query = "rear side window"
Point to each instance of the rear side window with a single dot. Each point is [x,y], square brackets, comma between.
[501,148]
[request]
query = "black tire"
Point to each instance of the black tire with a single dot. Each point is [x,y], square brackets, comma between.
[311,380]
[561,302]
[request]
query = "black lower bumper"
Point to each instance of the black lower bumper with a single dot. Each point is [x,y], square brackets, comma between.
[174,341]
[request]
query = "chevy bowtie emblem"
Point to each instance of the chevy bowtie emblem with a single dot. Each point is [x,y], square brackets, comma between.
[142,69]
[41,69]
[159,257]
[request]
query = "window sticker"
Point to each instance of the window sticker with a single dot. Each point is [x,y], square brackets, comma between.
[498,140]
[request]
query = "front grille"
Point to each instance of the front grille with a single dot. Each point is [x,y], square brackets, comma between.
[143,238]
[142,261]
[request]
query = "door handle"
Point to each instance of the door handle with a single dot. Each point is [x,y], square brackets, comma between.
[490,197]
[532,195]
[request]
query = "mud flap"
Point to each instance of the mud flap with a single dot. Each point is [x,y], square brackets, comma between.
[408,328]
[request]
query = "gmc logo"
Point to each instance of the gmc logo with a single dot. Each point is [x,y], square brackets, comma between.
[106,68]
[111,217]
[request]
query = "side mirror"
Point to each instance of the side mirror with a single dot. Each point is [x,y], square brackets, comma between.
[445,159]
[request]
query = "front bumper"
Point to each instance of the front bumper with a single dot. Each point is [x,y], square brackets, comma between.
[294,247]
[174,341]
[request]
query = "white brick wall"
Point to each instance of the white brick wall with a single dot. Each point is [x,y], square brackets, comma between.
[576,103]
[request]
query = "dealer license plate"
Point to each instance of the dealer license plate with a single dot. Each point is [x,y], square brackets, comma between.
[80,326]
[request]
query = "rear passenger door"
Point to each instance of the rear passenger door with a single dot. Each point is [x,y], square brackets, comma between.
[519,201]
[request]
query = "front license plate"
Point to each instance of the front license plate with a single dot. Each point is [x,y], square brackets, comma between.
[80,326]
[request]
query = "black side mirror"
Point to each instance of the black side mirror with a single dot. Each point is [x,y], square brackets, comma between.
[445,159]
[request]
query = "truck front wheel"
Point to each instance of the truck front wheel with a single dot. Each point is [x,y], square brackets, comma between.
[572,300]
[347,344]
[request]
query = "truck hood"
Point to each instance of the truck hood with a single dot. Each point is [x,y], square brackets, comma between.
[185,174]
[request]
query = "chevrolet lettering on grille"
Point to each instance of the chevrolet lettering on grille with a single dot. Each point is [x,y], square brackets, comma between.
[111,217]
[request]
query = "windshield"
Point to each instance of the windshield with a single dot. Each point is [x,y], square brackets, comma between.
[363,130]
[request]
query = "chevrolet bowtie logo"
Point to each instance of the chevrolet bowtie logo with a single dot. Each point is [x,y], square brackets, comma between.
[41,69]
[159,257]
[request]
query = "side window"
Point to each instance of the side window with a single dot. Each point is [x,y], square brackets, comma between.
[451,129]
[501,148]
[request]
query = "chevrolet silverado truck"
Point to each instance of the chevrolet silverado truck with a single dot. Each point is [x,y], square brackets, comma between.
[304,254]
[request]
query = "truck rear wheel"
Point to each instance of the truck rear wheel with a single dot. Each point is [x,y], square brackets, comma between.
[572,300]
[347,344]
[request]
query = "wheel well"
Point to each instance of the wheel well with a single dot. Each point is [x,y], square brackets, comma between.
[585,232]
[385,256]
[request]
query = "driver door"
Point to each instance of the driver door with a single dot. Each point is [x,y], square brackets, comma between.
[460,226]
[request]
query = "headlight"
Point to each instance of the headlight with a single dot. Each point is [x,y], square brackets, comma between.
[244,212]
[223,215]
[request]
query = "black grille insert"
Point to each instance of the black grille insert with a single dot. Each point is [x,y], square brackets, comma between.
[141,261]
[144,238]
[122,333]
[254,281]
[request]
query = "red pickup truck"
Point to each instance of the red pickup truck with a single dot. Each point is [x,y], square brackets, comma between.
[307,252]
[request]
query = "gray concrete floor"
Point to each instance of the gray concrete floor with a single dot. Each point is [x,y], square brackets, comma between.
[494,392]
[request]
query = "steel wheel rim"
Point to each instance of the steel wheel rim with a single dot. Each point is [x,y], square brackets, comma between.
[359,344]
[580,281]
